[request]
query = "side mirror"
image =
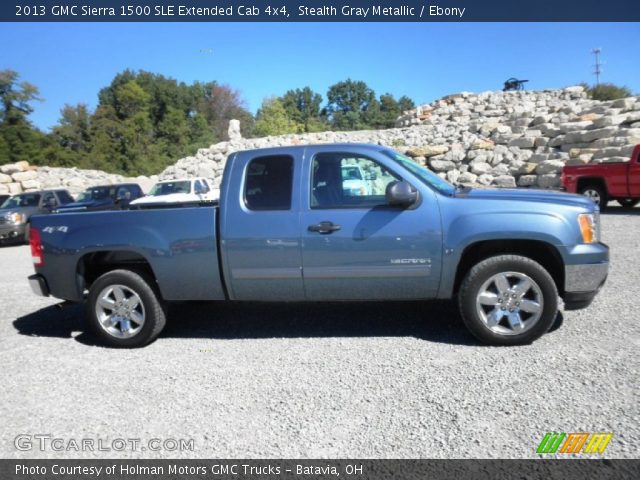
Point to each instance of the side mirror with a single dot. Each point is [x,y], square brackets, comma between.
[401,194]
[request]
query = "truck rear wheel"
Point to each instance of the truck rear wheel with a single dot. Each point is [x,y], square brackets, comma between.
[508,300]
[124,310]
[597,194]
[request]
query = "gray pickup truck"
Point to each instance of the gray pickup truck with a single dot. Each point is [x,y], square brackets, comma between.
[289,227]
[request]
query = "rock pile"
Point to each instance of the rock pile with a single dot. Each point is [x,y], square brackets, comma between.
[502,139]
[21,177]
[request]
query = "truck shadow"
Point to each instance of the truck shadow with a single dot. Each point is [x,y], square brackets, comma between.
[616,210]
[435,321]
[431,321]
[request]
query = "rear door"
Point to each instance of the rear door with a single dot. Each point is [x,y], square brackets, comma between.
[260,226]
[357,247]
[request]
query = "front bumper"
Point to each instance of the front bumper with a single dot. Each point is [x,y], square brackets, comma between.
[583,281]
[39,285]
[10,231]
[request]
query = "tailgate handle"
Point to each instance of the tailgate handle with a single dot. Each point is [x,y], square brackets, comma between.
[324,227]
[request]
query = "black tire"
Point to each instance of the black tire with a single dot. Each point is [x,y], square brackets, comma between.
[628,202]
[473,284]
[597,193]
[153,313]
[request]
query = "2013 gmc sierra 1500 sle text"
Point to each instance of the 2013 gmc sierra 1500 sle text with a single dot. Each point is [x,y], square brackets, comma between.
[289,228]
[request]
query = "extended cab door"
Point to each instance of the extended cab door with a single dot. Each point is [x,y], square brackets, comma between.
[354,245]
[260,226]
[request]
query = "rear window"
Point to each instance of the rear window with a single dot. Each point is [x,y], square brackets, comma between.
[269,183]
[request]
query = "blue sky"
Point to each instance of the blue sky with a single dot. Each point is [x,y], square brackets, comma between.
[71,62]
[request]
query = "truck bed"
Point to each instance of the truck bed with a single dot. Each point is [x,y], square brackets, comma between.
[179,243]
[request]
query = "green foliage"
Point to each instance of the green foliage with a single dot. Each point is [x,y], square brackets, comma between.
[303,107]
[608,91]
[272,119]
[144,121]
[19,140]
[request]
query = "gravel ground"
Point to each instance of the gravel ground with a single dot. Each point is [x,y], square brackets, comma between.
[387,380]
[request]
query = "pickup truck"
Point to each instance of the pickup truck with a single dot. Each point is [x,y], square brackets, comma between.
[285,229]
[104,197]
[603,182]
[176,191]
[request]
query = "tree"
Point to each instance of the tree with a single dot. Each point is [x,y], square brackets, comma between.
[303,107]
[220,104]
[19,139]
[348,102]
[608,91]
[272,119]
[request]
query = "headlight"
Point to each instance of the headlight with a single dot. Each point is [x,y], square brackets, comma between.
[589,227]
[16,218]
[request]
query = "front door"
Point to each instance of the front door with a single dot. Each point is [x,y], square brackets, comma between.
[354,245]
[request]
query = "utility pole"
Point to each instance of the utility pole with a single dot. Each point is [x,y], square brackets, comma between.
[597,70]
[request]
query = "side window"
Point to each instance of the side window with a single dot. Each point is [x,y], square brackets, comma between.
[205,186]
[268,183]
[49,200]
[340,180]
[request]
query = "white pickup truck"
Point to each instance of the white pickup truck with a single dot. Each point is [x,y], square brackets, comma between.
[177,191]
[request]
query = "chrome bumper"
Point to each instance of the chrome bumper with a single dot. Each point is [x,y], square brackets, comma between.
[585,278]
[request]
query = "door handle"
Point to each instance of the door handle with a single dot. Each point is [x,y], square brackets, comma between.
[324,227]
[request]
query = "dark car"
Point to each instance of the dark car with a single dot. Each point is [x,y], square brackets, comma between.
[3,198]
[104,197]
[16,211]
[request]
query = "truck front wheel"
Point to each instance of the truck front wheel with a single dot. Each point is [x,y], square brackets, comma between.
[508,300]
[124,310]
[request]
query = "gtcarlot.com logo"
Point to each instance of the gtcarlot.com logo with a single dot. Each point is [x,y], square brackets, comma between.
[581,442]
[46,442]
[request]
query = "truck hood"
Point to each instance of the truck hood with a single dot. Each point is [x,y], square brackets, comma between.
[526,195]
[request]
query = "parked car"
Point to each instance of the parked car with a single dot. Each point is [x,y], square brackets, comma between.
[286,229]
[177,191]
[16,212]
[603,182]
[104,197]
[3,198]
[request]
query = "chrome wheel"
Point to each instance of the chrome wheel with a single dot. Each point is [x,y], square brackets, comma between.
[120,311]
[593,194]
[509,303]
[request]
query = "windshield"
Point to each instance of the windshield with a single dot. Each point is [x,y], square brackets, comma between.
[98,193]
[26,200]
[351,173]
[167,188]
[426,175]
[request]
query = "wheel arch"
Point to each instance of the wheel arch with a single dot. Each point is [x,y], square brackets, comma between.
[542,252]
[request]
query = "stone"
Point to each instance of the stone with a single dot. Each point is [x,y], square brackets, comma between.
[30,185]
[480,167]
[441,165]
[453,175]
[467,177]
[549,166]
[5,178]
[504,181]
[528,168]
[22,176]
[527,180]
[485,179]
[522,142]
[428,151]
[483,145]
[14,188]
[549,180]
[234,130]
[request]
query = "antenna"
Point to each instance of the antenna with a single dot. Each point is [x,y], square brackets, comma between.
[596,68]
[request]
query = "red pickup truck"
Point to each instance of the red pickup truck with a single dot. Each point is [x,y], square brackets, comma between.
[606,181]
